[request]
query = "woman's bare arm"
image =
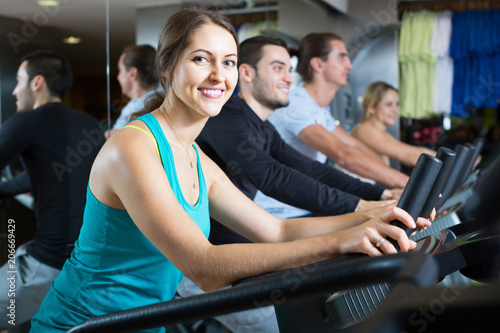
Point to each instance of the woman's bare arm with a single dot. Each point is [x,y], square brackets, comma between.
[384,143]
[119,179]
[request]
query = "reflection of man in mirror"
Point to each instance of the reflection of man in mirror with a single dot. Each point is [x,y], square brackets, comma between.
[137,78]
[57,146]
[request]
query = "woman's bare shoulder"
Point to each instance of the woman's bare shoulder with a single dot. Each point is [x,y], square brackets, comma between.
[126,150]
[363,129]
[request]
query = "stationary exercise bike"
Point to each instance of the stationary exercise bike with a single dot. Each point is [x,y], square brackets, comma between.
[292,285]
[457,308]
[469,247]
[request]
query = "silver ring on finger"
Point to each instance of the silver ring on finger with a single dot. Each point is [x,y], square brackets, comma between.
[380,242]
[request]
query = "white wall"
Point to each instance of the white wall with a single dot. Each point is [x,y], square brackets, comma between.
[367,17]
[300,17]
[150,21]
[297,18]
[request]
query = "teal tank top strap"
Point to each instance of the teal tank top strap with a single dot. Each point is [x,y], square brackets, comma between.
[168,161]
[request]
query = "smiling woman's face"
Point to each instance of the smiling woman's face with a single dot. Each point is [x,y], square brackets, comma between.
[387,109]
[206,72]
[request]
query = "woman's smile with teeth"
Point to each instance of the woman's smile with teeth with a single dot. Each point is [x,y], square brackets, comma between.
[211,92]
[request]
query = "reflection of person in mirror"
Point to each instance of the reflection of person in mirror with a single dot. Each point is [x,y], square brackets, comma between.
[147,216]
[381,110]
[43,133]
[137,79]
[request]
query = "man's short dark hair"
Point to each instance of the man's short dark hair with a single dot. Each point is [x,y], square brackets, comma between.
[142,57]
[251,49]
[312,46]
[53,67]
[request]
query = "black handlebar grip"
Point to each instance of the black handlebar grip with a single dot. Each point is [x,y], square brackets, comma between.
[477,146]
[464,172]
[447,156]
[453,180]
[417,190]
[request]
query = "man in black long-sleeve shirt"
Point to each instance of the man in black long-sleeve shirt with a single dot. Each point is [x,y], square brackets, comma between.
[254,156]
[57,146]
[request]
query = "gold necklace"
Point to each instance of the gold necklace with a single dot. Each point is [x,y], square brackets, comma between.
[191,163]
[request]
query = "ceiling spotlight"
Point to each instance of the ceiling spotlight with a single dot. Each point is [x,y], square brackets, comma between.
[72,40]
[48,3]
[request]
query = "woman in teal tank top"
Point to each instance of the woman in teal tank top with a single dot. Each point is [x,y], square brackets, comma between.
[146,219]
[107,237]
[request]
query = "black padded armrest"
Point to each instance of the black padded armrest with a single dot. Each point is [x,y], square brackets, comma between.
[273,288]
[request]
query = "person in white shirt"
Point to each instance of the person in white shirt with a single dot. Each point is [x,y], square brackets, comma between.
[307,124]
